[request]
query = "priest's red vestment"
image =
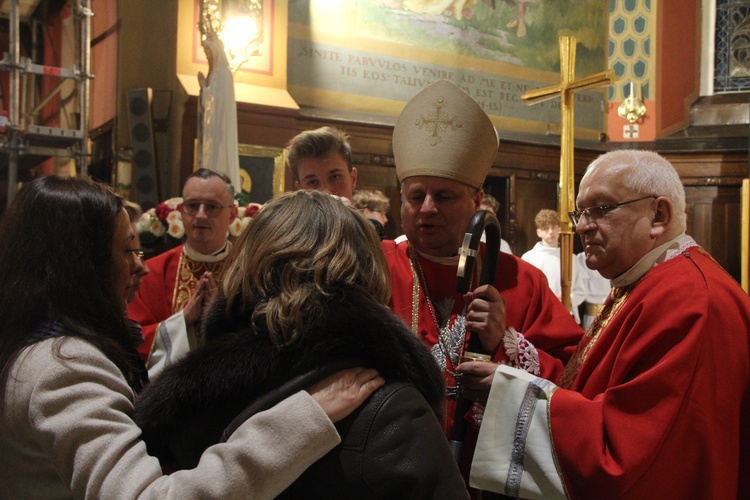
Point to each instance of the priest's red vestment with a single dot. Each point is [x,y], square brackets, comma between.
[656,408]
[654,404]
[165,291]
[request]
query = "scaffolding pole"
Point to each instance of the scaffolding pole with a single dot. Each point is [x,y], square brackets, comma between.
[26,138]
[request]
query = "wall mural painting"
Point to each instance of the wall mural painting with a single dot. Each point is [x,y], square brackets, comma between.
[363,59]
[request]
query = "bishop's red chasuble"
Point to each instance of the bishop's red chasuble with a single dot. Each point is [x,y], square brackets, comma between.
[531,309]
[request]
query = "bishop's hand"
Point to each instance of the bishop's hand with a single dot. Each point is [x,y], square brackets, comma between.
[486,316]
[476,380]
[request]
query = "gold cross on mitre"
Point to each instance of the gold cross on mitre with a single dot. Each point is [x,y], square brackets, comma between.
[565,89]
[438,121]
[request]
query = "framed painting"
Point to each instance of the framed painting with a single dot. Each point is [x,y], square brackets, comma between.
[262,172]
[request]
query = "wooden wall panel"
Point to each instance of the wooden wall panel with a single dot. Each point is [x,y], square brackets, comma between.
[500,188]
[708,168]
[713,220]
[528,197]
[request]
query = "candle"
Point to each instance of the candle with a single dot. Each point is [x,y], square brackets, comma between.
[124,174]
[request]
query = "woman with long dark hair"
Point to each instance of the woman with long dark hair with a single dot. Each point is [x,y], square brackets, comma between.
[69,370]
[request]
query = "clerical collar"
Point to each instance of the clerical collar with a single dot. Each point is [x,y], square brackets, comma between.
[658,255]
[446,261]
[214,257]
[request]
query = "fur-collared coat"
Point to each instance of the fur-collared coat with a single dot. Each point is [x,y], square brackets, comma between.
[392,446]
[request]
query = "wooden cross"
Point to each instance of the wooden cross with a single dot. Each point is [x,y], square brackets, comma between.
[565,89]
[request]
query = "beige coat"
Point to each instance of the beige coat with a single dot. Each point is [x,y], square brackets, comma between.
[66,431]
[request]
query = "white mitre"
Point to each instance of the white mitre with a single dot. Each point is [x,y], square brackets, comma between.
[442,132]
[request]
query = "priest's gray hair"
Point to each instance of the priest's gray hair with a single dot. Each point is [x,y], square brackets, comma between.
[647,173]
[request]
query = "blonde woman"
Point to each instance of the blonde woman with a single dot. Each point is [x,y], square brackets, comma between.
[305,295]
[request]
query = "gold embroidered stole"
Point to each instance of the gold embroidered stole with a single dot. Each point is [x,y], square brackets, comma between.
[439,349]
[617,298]
[189,272]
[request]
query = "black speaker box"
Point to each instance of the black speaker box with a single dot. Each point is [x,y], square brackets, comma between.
[145,178]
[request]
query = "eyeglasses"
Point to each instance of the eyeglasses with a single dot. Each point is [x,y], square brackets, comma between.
[210,209]
[595,213]
[137,252]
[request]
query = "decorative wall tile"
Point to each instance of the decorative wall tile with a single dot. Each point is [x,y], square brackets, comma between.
[630,46]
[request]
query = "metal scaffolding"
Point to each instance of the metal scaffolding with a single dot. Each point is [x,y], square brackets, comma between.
[25,141]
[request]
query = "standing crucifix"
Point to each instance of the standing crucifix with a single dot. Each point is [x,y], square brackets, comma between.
[565,89]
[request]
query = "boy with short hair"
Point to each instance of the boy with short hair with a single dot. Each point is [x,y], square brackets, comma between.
[546,253]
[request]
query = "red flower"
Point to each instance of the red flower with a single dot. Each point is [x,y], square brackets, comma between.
[162,211]
[252,209]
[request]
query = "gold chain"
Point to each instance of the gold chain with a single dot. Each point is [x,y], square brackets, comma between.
[419,278]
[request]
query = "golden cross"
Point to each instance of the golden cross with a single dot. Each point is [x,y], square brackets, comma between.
[565,89]
[438,121]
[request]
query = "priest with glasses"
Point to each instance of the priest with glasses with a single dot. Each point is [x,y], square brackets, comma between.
[172,296]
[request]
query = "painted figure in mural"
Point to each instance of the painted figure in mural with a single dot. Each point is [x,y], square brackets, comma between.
[519,22]
[459,9]
[218,127]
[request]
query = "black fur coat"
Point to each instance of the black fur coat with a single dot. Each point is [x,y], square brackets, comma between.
[392,446]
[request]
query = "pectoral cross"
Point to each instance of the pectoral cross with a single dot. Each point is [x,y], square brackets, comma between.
[566,89]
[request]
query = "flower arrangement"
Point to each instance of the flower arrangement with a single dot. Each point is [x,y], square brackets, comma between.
[244,215]
[166,219]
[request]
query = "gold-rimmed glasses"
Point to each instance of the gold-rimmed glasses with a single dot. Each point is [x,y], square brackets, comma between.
[595,213]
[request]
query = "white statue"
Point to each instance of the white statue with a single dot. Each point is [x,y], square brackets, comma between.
[217,126]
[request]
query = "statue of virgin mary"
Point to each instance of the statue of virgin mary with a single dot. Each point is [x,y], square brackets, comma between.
[218,127]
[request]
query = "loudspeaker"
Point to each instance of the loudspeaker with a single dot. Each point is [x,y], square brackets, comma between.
[145,178]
